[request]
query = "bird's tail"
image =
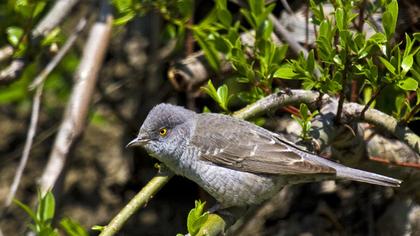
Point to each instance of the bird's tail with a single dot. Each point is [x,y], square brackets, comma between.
[344,172]
[366,177]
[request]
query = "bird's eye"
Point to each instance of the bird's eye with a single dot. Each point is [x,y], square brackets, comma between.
[163,132]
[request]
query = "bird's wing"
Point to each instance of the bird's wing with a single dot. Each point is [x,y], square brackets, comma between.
[239,145]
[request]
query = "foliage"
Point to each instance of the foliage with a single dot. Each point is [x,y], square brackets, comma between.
[304,120]
[43,218]
[200,223]
[343,53]
[221,95]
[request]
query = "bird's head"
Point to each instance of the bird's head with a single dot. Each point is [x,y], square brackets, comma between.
[164,130]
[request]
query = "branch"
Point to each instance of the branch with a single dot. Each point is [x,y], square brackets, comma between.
[74,120]
[277,100]
[384,122]
[141,199]
[284,35]
[28,144]
[59,56]
[53,18]
[6,52]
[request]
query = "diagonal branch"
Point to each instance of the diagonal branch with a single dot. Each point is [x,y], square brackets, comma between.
[74,120]
[28,144]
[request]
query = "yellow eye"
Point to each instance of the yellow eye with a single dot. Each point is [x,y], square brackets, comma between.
[163,132]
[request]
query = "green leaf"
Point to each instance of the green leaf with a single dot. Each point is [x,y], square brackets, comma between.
[392,8]
[211,91]
[46,207]
[417,36]
[378,38]
[185,7]
[285,71]
[125,18]
[339,17]
[389,18]
[280,53]
[52,37]
[388,65]
[224,17]
[310,61]
[39,7]
[222,4]
[408,84]
[223,95]
[72,228]
[14,34]
[28,210]
[256,6]
[265,29]
[325,30]
[303,110]
[407,63]
[222,44]
[209,50]
[196,217]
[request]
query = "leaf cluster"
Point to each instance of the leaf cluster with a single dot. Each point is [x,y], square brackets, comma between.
[43,217]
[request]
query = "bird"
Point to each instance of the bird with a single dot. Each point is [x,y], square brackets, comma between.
[235,161]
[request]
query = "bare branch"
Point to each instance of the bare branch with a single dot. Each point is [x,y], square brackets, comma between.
[6,52]
[28,144]
[284,35]
[384,122]
[12,71]
[53,18]
[74,119]
[59,56]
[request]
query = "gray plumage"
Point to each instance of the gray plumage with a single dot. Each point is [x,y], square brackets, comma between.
[235,161]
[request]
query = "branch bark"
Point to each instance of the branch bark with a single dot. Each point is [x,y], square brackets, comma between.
[74,120]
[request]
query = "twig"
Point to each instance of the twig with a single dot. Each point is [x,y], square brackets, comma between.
[53,18]
[283,34]
[412,113]
[59,56]
[74,119]
[274,101]
[384,122]
[28,143]
[141,199]
[6,52]
[371,100]
[12,71]
[287,6]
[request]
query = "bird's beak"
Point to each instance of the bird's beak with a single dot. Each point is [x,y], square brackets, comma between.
[139,141]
